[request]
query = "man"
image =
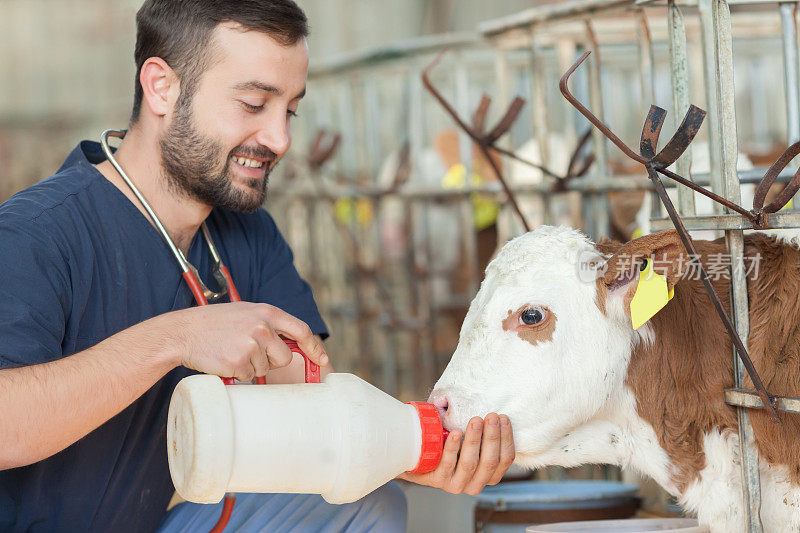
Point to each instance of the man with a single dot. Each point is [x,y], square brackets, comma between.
[97,326]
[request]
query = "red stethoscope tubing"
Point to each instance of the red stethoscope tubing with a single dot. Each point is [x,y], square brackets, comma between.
[311,369]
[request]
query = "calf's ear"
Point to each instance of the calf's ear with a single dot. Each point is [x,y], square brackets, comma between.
[664,249]
[660,253]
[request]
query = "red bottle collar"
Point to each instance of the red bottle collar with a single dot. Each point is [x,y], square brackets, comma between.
[433,437]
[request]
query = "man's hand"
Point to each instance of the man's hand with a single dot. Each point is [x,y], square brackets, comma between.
[239,339]
[486,454]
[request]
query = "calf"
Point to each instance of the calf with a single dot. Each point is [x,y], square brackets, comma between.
[548,341]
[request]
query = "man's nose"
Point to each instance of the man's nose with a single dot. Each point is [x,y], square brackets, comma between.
[441,403]
[274,134]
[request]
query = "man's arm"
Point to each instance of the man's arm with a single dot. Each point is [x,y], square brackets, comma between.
[49,406]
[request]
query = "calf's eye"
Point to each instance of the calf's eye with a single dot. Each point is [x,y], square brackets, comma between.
[532,315]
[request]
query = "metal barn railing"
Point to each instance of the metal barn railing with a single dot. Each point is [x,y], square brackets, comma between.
[395,310]
[717,31]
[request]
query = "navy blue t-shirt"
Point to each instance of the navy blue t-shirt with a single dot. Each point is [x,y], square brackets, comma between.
[78,263]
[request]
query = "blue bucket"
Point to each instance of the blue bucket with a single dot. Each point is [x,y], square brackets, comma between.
[510,507]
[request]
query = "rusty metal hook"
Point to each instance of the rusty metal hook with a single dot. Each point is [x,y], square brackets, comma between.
[769,178]
[484,141]
[690,119]
[655,164]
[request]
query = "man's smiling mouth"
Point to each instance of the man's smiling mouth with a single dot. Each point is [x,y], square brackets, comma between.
[247,162]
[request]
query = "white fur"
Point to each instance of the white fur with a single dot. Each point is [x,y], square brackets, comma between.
[567,397]
[717,497]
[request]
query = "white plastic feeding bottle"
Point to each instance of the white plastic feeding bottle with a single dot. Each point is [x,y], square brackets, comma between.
[341,438]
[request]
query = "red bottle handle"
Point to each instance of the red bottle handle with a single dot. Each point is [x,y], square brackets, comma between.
[312,369]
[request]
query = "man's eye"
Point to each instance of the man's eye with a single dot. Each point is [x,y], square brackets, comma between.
[252,108]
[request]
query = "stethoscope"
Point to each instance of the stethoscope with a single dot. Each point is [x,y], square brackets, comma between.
[202,294]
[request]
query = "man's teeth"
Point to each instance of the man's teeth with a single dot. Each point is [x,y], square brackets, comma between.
[245,162]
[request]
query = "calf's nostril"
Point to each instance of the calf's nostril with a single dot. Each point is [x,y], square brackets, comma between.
[441,404]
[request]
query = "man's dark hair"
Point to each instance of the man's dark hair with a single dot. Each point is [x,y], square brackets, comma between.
[179,32]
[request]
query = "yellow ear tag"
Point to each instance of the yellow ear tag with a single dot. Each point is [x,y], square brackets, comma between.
[650,296]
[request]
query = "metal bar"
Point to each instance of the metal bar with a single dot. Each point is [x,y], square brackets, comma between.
[604,183]
[387,338]
[562,11]
[729,222]
[716,30]
[679,74]
[371,116]
[566,50]
[418,226]
[600,225]
[344,106]
[502,78]
[422,378]
[540,118]
[395,51]
[710,71]
[539,103]
[646,61]
[461,80]
[790,74]
[751,400]
[790,70]
[647,81]
[465,145]
[430,304]
[503,91]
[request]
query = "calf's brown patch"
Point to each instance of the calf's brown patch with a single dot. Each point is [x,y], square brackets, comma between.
[533,333]
[679,380]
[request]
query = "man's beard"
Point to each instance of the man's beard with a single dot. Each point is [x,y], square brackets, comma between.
[191,163]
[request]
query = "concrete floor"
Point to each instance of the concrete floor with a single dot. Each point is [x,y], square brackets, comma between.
[433,510]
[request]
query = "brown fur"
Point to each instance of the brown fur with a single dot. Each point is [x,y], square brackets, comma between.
[532,333]
[679,380]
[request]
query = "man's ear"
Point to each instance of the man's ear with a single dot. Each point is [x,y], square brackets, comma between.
[665,250]
[160,86]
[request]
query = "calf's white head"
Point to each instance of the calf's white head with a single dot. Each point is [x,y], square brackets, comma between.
[546,341]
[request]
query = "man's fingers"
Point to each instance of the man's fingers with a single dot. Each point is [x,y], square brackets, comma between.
[244,373]
[468,459]
[298,331]
[278,353]
[444,470]
[258,357]
[507,450]
[489,455]
[317,352]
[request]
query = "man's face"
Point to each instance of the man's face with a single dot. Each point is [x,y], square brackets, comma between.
[226,137]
